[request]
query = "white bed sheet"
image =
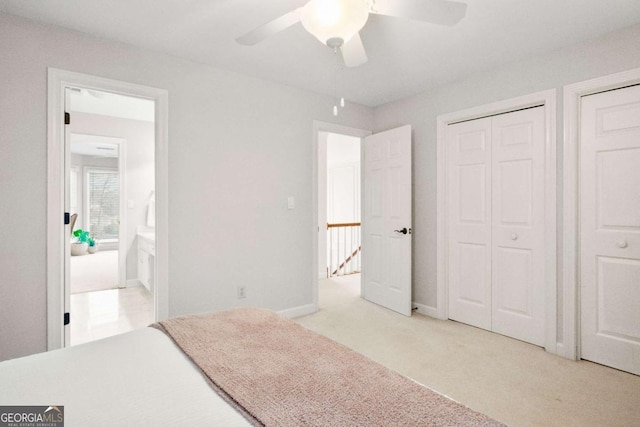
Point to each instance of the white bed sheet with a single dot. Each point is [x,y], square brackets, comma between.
[140,378]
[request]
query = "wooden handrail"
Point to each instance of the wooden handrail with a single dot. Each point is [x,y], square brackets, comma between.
[345,224]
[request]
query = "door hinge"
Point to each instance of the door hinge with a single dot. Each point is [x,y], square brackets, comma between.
[67,319]
[67,118]
[67,218]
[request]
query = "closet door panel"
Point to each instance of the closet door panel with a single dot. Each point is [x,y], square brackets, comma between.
[469,231]
[517,254]
[610,228]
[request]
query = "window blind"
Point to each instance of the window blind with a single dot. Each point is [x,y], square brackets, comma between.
[103,193]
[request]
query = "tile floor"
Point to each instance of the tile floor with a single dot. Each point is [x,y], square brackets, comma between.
[101,314]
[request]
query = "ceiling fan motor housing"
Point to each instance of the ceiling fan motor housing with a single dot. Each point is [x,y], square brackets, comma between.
[335,43]
[335,21]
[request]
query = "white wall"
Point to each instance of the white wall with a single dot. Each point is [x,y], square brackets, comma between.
[238,146]
[139,152]
[615,52]
[343,178]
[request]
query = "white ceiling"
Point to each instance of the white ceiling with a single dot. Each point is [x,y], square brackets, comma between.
[111,104]
[405,57]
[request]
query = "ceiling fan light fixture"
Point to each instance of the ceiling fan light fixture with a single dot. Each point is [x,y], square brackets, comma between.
[335,19]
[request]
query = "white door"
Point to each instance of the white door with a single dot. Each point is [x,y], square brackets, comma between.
[518,261]
[469,170]
[610,228]
[496,223]
[386,221]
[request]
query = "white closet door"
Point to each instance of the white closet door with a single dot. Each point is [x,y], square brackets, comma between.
[610,228]
[469,177]
[518,262]
[496,225]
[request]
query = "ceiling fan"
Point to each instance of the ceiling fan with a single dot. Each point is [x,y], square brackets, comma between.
[337,23]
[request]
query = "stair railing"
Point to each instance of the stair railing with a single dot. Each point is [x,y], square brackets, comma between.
[344,248]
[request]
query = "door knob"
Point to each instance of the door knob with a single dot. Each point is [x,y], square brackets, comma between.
[622,244]
[514,236]
[403,231]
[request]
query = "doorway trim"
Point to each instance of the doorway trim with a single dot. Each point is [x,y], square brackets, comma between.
[572,95]
[57,80]
[318,127]
[548,100]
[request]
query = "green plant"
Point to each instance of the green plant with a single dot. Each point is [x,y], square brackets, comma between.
[92,242]
[82,236]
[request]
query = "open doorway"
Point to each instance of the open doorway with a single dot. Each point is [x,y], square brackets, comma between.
[386,230]
[339,213]
[109,193]
[95,192]
[59,313]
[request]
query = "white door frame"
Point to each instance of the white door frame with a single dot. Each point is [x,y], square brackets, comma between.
[572,95]
[548,99]
[57,81]
[318,127]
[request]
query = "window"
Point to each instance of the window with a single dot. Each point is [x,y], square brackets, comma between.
[103,204]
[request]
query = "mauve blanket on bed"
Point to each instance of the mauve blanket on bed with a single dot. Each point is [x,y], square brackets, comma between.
[282,374]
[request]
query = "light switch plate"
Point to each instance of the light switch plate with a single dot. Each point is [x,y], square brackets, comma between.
[291,202]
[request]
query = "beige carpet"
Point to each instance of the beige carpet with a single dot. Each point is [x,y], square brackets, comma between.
[285,375]
[513,382]
[94,272]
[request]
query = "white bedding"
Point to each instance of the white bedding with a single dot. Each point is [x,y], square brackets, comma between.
[139,378]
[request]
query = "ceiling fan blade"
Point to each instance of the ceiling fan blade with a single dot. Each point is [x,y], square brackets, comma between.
[270,28]
[353,52]
[441,12]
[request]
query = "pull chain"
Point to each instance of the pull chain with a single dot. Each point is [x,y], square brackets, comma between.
[335,81]
[339,69]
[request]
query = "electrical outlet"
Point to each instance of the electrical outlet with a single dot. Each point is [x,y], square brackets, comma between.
[242,292]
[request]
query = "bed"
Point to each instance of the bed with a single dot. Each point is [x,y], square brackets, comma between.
[240,367]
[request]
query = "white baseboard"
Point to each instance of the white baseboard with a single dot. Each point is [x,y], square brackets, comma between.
[560,350]
[302,310]
[132,283]
[425,309]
